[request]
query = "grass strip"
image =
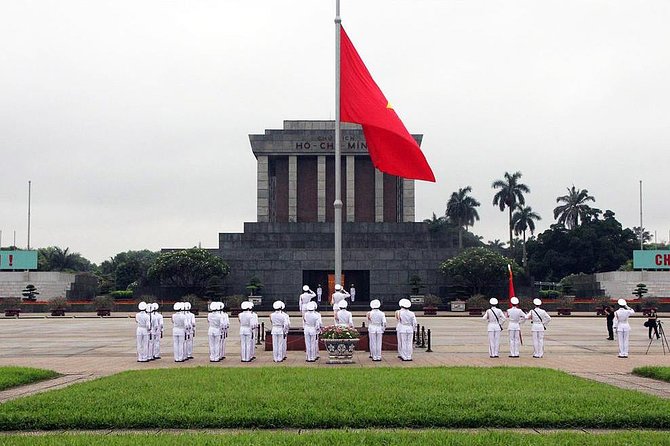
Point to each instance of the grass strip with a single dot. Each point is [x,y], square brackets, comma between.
[11,376]
[654,372]
[344,438]
[273,397]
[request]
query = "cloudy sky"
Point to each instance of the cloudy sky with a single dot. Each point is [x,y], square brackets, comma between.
[131,118]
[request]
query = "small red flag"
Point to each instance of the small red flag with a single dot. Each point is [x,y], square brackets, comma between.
[511,282]
[392,149]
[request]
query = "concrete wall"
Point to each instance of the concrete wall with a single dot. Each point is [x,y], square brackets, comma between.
[620,284]
[48,284]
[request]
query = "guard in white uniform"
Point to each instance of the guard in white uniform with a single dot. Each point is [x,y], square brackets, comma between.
[190,330]
[319,293]
[539,319]
[214,320]
[142,332]
[338,295]
[178,332]
[622,326]
[344,316]
[311,325]
[280,325]
[352,293]
[495,319]
[515,317]
[156,331]
[376,327]
[404,329]
[225,325]
[305,298]
[247,327]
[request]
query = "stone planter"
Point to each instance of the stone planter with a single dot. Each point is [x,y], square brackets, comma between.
[429,311]
[340,351]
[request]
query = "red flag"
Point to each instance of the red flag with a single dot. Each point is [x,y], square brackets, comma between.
[511,282]
[392,149]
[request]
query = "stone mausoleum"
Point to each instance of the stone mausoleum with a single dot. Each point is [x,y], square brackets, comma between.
[292,241]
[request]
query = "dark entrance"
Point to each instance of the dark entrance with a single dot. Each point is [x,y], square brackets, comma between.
[359,278]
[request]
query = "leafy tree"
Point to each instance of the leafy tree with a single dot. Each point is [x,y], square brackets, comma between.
[436,224]
[481,270]
[189,268]
[524,219]
[646,235]
[54,258]
[128,267]
[461,209]
[496,245]
[216,289]
[574,208]
[510,196]
[593,246]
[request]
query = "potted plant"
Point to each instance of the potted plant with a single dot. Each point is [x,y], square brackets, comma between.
[475,305]
[232,303]
[58,305]
[430,304]
[340,342]
[30,292]
[103,305]
[648,303]
[254,286]
[11,306]
[564,305]
[599,304]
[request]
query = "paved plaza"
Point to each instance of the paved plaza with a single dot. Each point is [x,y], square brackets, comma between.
[83,347]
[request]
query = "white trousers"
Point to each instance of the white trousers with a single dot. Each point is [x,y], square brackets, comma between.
[178,346]
[143,346]
[222,346]
[246,347]
[156,345]
[214,347]
[623,342]
[514,342]
[375,345]
[538,343]
[494,343]
[189,345]
[278,349]
[405,345]
[311,346]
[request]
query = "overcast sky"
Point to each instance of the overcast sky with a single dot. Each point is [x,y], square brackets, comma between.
[132,118]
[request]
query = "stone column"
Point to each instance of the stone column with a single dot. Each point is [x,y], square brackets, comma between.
[262,190]
[351,184]
[408,200]
[292,188]
[321,188]
[379,196]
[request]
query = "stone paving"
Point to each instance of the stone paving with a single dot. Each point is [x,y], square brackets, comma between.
[85,347]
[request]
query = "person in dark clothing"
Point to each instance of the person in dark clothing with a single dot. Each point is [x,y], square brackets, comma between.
[609,313]
[651,322]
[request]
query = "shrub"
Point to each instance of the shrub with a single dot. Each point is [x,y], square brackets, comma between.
[233,302]
[477,301]
[103,303]
[122,294]
[10,303]
[549,294]
[339,332]
[58,303]
[431,300]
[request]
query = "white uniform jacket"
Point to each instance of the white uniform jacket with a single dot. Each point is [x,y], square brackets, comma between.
[495,324]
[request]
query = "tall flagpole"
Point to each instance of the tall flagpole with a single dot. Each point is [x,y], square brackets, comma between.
[338,165]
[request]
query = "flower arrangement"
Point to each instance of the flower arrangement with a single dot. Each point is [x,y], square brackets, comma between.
[338,332]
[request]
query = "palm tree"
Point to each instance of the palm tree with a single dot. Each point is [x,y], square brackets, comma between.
[509,196]
[436,224]
[461,210]
[524,219]
[574,208]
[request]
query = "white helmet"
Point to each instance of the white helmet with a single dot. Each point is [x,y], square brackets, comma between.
[375,304]
[514,300]
[305,287]
[537,302]
[343,304]
[622,302]
[176,306]
[142,306]
[338,287]
[187,306]
[493,301]
[405,303]
[277,305]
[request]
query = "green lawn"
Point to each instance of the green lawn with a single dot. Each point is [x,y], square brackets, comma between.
[272,397]
[341,437]
[17,376]
[660,373]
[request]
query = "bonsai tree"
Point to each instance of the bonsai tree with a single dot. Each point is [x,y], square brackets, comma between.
[254,285]
[416,284]
[640,290]
[30,292]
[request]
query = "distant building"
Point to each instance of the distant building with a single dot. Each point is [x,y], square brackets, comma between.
[292,241]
